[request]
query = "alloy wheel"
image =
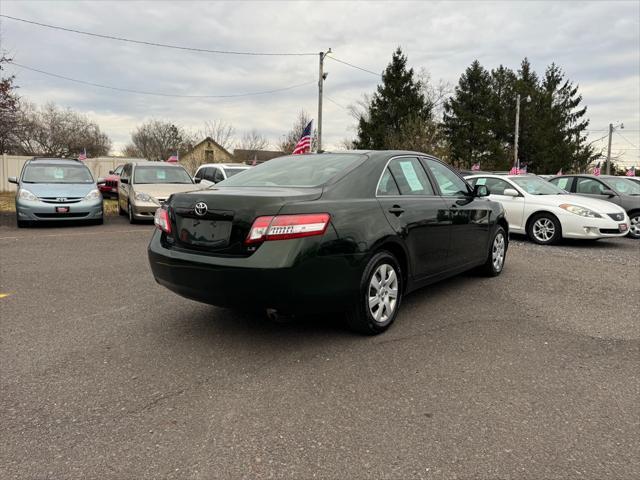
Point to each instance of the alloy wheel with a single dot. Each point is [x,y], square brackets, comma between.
[634,225]
[497,252]
[383,293]
[544,230]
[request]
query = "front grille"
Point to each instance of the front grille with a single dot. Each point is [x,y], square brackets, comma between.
[609,231]
[61,199]
[111,183]
[62,215]
[618,217]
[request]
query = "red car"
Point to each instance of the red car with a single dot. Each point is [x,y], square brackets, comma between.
[109,184]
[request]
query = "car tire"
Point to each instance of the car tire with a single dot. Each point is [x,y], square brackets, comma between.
[544,229]
[99,221]
[497,254]
[120,210]
[375,308]
[132,219]
[21,223]
[634,225]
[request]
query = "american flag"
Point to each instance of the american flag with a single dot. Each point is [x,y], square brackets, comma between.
[475,167]
[174,158]
[559,172]
[83,155]
[523,170]
[304,144]
[514,171]
[631,172]
[596,170]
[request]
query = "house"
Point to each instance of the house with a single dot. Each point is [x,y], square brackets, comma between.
[207,151]
[260,156]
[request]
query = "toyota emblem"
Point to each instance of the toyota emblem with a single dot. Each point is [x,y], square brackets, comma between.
[201,209]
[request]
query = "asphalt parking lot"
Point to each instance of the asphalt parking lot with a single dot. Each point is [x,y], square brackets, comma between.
[104,374]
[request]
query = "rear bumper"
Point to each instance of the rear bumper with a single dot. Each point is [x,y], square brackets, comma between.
[275,276]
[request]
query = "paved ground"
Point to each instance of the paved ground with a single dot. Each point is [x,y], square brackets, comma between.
[535,374]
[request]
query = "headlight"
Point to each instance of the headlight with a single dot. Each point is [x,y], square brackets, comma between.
[143,197]
[92,195]
[26,195]
[583,212]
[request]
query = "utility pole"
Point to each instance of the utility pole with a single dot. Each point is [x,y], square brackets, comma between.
[321,78]
[608,169]
[516,160]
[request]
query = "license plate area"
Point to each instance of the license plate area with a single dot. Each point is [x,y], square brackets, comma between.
[623,227]
[204,233]
[62,209]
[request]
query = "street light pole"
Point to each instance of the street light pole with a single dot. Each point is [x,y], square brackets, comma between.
[321,78]
[608,169]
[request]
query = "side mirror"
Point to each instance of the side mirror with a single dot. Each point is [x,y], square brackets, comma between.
[111,172]
[13,180]
[511,192]
[480,191]
[197,180]
[124,180]
[609,193]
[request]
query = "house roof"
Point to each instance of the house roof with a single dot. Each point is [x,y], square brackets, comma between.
[209,139]
[259,155]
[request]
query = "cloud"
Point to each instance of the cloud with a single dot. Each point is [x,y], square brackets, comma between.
[596,43]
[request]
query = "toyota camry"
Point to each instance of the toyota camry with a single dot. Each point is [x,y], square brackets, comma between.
[334,232]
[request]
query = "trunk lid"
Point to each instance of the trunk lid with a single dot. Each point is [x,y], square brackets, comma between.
[218,220]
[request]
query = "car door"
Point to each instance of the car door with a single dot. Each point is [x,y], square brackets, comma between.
[514,207]
[124,186]
[416,214]
[591,187]
[470,216]
[565,183]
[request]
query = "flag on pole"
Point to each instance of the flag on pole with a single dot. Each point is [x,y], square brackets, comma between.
[304,144]
[596,170]
[631,172]
[523,170]
[475,167]
[255,160]
[174,158]
[559,172]
[514,171]
[83,155]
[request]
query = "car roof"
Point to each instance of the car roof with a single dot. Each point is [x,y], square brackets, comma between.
[164,164]
[224,165]
[60,161]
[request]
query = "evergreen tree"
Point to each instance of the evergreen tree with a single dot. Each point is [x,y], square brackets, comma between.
[397,101]
[468,118]
[503,111]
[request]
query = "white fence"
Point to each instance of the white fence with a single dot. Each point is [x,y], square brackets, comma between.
[11,166]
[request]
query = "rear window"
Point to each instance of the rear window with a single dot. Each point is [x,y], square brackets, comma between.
[232,171]
[295,171]
[56,173]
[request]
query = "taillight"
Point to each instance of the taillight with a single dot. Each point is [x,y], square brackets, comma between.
[284,227]
[161,220]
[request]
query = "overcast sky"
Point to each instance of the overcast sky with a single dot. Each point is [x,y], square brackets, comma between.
[596,43]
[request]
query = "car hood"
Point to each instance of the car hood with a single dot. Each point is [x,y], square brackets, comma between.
[59,189]
[163,190]
[601,206]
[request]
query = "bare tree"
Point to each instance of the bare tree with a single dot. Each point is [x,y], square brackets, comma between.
[58,132]
[435,93]
[221,131]
[252,141]
[158,140]
[290,139]
[9,109]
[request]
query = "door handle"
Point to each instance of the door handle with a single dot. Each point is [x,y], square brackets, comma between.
[397,210]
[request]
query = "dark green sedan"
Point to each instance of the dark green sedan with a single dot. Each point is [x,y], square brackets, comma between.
[344,232]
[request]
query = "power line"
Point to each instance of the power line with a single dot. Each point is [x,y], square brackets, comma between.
[627,140]
[156,44]
[354,66]
[334,102]
[159,94]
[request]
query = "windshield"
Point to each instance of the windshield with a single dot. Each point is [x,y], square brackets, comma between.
[160,174]
[232,171]
[537,186]
[624,186]
[295,171]
[56,173]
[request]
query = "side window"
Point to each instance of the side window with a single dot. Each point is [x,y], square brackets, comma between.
[410,177]
[126,171]
[387,185]
[218,176]
[497,186]
[451,185]
[563,183]
[118,170]
[589,186]
[199,174]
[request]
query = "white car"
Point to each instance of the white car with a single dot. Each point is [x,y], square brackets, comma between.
[210,173]
[547,213]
